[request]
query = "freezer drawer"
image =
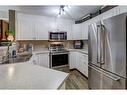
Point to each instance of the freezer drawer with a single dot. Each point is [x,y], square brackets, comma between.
[104,80]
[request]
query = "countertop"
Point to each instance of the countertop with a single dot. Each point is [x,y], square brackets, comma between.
[45,50]
[85,51]
[28,76]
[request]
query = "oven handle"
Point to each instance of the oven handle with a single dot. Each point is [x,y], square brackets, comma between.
[58,53]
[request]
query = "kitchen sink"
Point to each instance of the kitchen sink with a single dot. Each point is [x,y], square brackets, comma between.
[18,59]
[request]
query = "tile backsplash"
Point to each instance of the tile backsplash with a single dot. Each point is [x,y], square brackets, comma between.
[38,45]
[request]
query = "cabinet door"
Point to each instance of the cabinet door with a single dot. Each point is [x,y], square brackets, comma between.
[79,61]
[65,25]
[43,60]
[82,63]
[41,29]
[34,59]
[84,32]
[25,29]
[72,60]
[76,32]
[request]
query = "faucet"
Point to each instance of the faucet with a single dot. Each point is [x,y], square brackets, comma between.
[6,57]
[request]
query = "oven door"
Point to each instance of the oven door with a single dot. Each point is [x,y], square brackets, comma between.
[58,60]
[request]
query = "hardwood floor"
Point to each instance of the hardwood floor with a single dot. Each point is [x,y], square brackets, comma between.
[75,80]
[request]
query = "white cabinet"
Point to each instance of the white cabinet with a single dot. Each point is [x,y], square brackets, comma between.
[65,25]
[34,59]
[77,32]
[43,59]
[72,60]
[30,27]
[79,61]
[25,29]
[33,27]
[80,31]
[82,64]
[84,30]
[41,29]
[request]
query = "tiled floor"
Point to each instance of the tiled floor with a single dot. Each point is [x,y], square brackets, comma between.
[75,80]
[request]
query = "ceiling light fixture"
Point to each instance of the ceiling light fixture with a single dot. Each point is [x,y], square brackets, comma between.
[69,6]
[63,9]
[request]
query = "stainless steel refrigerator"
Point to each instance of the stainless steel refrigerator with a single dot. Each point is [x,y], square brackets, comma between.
[107,53]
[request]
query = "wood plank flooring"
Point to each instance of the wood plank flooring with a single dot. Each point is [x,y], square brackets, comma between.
[75,80]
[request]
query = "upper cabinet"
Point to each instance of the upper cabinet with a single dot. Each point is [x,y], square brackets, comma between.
[31,27]
[76,32]
[65,25]
[84,30]
[25,29]
[80,31]
[41,30]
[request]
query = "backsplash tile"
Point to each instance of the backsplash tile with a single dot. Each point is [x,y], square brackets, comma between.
[38,45]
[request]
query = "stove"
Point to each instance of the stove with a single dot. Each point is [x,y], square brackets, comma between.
[58,56]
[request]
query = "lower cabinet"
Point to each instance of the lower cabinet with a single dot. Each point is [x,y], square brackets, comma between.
[41,59]
[79,61]
[34,59]
[72,60]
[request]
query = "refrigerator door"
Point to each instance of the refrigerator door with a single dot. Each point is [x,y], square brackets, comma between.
[93,44]
[114,53]
[99,79]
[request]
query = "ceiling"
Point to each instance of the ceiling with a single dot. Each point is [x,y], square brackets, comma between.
[75,12]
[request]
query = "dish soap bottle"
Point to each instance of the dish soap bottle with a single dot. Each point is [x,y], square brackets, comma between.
[13,53]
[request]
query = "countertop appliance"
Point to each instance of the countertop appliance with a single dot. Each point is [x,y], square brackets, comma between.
[58,36]
[78,44]
[58,56]
[107,53]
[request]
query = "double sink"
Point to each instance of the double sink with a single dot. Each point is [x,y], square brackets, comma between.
[17,59]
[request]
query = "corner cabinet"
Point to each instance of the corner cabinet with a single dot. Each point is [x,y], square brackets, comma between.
[41,59]
[79,61]
[80,31]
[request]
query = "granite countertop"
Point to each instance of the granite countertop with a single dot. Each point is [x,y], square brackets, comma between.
[28,76]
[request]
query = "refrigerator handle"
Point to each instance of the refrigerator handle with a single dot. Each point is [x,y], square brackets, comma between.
[102,44]
[98,44]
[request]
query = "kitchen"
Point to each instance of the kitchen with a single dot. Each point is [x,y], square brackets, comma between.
[63,46]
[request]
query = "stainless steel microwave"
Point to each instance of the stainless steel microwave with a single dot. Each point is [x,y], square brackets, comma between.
[58,35]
